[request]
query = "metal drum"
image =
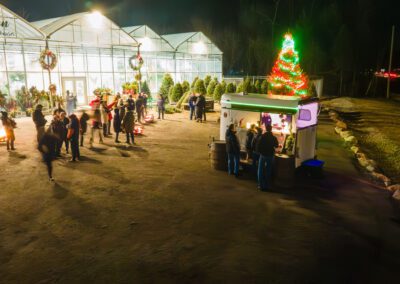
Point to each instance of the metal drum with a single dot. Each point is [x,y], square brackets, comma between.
[218,156]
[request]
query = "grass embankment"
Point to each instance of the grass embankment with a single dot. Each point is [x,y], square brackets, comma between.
[376,123]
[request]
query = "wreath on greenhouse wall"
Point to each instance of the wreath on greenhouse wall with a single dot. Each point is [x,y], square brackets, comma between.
[43,59]
[136,62]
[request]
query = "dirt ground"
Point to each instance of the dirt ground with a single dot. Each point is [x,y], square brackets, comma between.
[158,213]
[376,123]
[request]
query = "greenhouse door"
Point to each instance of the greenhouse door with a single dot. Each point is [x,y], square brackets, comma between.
[76,85]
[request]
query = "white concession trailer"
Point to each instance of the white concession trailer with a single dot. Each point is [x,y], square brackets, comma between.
[294,121]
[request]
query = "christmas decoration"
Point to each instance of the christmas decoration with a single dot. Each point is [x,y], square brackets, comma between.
[48,59]
[136,62]
[287,78]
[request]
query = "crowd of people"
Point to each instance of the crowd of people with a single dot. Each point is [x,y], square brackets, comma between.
[67,130]
[260,147]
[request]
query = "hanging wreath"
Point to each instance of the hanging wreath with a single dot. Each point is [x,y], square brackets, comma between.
[48,59]
[136,62]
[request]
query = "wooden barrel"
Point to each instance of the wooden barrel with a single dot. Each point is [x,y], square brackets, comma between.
[218,156]
[284,170]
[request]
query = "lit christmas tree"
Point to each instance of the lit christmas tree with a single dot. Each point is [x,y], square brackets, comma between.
[287,78]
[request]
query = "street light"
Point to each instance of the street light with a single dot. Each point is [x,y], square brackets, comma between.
[95,19]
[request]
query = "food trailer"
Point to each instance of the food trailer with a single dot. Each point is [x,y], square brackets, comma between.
[293,120]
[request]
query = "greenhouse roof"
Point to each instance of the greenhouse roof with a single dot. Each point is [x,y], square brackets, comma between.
[197,40]
[87,20]
[14,26]
[50,26]
[177,39]
[144,34]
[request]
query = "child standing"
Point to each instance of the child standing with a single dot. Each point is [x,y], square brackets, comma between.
[9,124]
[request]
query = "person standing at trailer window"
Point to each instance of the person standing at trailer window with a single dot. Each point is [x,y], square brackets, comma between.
[266,148]
[9,124]
[255,155]
[71,101]
[65,122]
[83,126]
[161,106]
[249,139]
[73,136]
[233,150]
[47,146]
[192,106]
[40,121]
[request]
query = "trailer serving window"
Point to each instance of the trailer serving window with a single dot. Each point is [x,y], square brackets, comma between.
[307,115]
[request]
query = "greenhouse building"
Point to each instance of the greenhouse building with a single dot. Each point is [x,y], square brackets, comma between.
[94,52]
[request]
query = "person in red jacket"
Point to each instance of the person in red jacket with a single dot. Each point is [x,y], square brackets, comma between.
[109,112]
[96,120]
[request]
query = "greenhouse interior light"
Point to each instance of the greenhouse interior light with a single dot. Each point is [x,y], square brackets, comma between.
[147,43]
[199,47]
[96,19]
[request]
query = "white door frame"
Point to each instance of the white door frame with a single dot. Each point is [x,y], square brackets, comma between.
[74,80]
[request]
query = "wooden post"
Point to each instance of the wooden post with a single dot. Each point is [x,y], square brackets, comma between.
[49,73]
[390,65]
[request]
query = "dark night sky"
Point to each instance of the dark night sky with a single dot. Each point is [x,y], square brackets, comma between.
[366,22]
[162,15]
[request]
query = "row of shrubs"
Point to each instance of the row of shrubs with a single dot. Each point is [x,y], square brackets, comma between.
[210,87]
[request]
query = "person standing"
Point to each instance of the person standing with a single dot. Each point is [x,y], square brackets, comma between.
[110,116]
[233,150]
[40,121]
[57,128]
[266,148]
[249,139]
[47,146]
[192,106]
[130,103]
[200,105]
[139,108]
[96,120]
[104,117]
[71,101]
[255,155]
[117,122]
[65,122]
[9,124]
[129,126]
[83,124]
[161,106]
[73,136]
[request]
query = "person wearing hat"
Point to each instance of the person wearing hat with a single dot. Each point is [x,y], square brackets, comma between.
[40,121]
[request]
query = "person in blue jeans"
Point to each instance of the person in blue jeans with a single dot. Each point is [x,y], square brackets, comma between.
[232,150]
[255,155]
[266,148]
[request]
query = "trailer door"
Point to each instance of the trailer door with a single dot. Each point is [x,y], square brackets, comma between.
[306,140]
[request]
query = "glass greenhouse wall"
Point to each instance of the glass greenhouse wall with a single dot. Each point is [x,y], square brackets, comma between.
[94,52]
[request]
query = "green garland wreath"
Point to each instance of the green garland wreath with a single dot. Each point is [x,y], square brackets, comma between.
[138,62]
[53,59]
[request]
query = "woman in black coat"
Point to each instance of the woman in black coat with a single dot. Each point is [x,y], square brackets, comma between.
[117,123]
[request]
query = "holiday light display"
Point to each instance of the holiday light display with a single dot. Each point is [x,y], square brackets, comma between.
[287,78]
